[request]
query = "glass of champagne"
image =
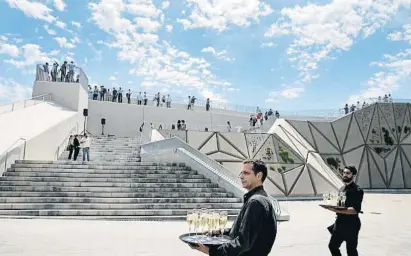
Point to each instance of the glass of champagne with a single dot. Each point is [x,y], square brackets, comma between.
[203,219]
[343,198]
[196,220]
[325,198]
[223,221]
[216,220]
[190,220]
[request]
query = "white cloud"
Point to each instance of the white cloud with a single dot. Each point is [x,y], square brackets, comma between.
[268,45]
[222,55]
[232,89]
[112,78]
[76,24]
[11,91]
[32,55]
[49,30]
[60,24]
[165,5]
[219,14]
[288,92]
[59,5]
[147,24]
[9,49]
[169,28]
[321,31]
[404,35]
[33,9]
[64,43]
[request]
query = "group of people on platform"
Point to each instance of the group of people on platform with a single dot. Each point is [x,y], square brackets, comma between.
[77,142]
[349,109]
[65,73]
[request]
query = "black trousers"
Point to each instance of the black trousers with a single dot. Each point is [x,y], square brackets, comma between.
[349,235]
[120,98]
[76,151]
[70,152]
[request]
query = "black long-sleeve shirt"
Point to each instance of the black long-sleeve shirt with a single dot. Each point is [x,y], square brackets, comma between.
[254,230]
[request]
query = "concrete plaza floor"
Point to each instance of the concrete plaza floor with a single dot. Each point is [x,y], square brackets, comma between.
[386,230]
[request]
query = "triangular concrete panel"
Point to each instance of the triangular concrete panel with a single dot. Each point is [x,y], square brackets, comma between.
[386,111]
[303,186]
[388,133]
[390,161]
[382,150]
[374,134]
[406,164]
[364,117]
[224,146]
[377,179]
[210,146]
[326,130]
[406,126]
[272,188]
[340,127]
[354,137]
[294,141]
[407,140]
[254,142]
[267,151]
[363,177]
[400,111]
[323,145]
[290,177]
[303,129]
[285,154]
[380,162]
[335,162]
[197,139]
[221,157]
[238,140]
[353,158]
[276,178]
[322,185]
[397,179]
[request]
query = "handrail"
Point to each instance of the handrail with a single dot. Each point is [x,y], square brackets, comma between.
[12,147]
[209,163]
[15,105]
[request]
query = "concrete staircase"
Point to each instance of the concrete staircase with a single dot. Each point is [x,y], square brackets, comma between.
[112,186]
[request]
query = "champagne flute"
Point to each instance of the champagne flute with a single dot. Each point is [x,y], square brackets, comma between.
[223,221]
[196,221]
[325,197]
[343,198]
[190,220]
[203,219]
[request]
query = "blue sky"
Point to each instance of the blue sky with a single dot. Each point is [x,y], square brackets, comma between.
[283,54]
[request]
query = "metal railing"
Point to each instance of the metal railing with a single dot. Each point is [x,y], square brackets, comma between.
[17,151]
[9,107]
[63,145]
[76,76]
[210,164]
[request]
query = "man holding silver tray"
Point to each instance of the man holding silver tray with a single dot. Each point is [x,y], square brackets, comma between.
[347,225]
[253,232]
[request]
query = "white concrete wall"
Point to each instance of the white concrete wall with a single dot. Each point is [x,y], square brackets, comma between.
[125,119]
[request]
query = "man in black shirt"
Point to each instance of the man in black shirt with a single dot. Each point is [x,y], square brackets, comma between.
[253,232]
[348,224]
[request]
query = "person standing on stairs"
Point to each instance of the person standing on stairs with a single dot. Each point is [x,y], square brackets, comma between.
[85,145]
[76,146]
[70,146]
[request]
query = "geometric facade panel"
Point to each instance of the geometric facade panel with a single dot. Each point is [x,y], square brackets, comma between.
[267,152]
[226,146]
[196,139]
[377,178]
[390,162]
[303,185]
[324,138]
[355,157]
[364,117]
[396,178]
[374,134]
[321,185]
[354,138]
[254,141]
[388,132]
[335,162]
[285,155]
[340,127]
[276,178]
[406,126]
[210,145]
[291,177]
[387,112]
[236,139]
[400,110]
[363,178]
[221,157]
[380,164]
[302,128]
[406,164]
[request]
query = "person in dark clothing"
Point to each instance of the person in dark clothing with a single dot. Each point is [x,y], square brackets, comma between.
[347,225]
[254,231]
[208,104]
[70,146]
[76,145]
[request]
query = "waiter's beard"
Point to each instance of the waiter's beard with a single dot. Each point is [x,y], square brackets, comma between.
[346,179]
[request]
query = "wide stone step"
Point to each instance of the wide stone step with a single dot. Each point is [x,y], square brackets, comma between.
[160,212]
[173,212]
[118,206]
[109,189]
[48,200]
[64,162]
[185,175]
[106,171]
[107,184]
[183,217]
[116,194]
[105,180]
[79,168]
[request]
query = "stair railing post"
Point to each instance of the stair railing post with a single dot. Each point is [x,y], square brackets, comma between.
[5,161]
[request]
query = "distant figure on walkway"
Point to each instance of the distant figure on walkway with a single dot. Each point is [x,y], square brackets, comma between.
[255,229]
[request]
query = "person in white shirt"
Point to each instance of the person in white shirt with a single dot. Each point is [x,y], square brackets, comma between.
[145,98]
[358,105]
[168,101]
[71,67]
[109,96]
[139,98]
[85,144]
[120,95]
[389,98]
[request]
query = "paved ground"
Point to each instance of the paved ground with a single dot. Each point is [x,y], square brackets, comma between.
[386,231]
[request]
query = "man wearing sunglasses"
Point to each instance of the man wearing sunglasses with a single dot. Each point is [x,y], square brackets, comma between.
[253,232]
[348,224]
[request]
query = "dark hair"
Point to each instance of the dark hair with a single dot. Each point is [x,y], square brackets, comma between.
[352,169]
[258,166]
